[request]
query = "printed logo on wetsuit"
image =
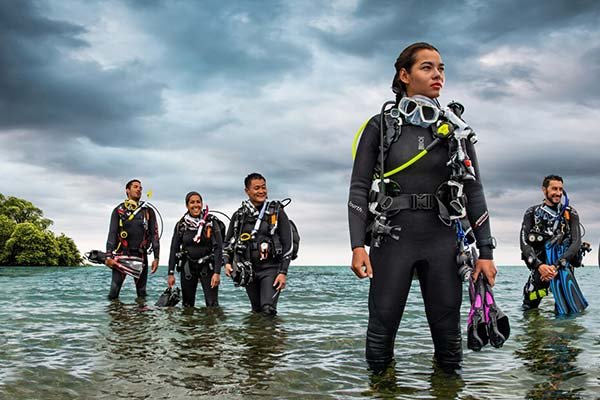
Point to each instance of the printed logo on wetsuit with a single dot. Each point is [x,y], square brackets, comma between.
[421,145]
[356,207]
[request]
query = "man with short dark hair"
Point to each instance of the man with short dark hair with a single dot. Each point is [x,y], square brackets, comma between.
[549,230]
[259,246]
[133,231]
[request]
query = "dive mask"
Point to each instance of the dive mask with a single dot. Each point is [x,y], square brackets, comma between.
[131,205]
[419,110]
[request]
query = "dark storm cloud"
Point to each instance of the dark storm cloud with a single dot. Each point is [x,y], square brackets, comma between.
[43,87]
[531,21]
[463,31]
[240,45]
[461,27]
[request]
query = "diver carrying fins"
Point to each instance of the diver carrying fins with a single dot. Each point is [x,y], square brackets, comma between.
[551,247]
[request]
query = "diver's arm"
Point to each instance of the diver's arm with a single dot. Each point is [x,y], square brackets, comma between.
[284,229]
[528,253]
[217,245]
[477,210]
[228,250]
[175,248]
[153,231]
[360,183]
[575,245]
[113,234]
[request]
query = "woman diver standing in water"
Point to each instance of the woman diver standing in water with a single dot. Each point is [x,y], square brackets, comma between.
[410,230]
[197,246]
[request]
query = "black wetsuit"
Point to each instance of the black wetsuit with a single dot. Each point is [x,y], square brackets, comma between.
[209,251]
[540,221]
[263,296]
[425,244]
[142,231]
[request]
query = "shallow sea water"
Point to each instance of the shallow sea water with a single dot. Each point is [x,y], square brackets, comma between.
[60,338]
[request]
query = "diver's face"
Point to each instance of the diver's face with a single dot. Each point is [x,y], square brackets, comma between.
[257,191]
[553,193]
[426,76]
[194,205]
[134,192]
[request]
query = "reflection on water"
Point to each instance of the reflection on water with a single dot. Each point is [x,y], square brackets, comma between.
[187,352]
[393,383]
[549,352]
[263,340]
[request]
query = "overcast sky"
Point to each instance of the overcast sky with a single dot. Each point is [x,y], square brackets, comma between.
[194,95]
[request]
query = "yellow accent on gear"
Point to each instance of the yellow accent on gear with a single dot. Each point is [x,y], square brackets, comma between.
[443,130]
[406,164]
[357,136]
[245,237]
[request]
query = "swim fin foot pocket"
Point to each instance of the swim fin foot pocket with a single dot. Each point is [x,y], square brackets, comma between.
[169,298]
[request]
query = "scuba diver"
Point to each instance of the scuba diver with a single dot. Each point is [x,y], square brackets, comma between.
[197,251]
[133,232]
[551,246]
[414,168]
[259,246]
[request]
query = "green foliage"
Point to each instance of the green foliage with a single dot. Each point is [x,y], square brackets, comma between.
[29,245]
[20,211]
[26,240]
[7,226]
[68,253]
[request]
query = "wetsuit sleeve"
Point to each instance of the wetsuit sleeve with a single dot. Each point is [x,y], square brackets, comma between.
[217,244]
[153,231]
[528,253]
[477,210]
[284,229]
[228,249]
[360,182]
[175,248]
[113,234]
[573,249]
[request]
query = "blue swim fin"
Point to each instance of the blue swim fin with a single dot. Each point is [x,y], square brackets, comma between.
[573,296]
[568,298]
[560,305]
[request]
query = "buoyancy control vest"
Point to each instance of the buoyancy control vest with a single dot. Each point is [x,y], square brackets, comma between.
[133,225]
[261,241]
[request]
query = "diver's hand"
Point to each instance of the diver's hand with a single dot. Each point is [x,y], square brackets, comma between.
[154,265]
[361,264]
[109,262]
[279,283]
[547,272]
[215,280]
[488,267]
[228,269]
[171,280]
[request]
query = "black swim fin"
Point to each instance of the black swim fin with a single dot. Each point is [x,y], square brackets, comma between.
[477,335]
[573,297]
[169,298]
[498,326]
